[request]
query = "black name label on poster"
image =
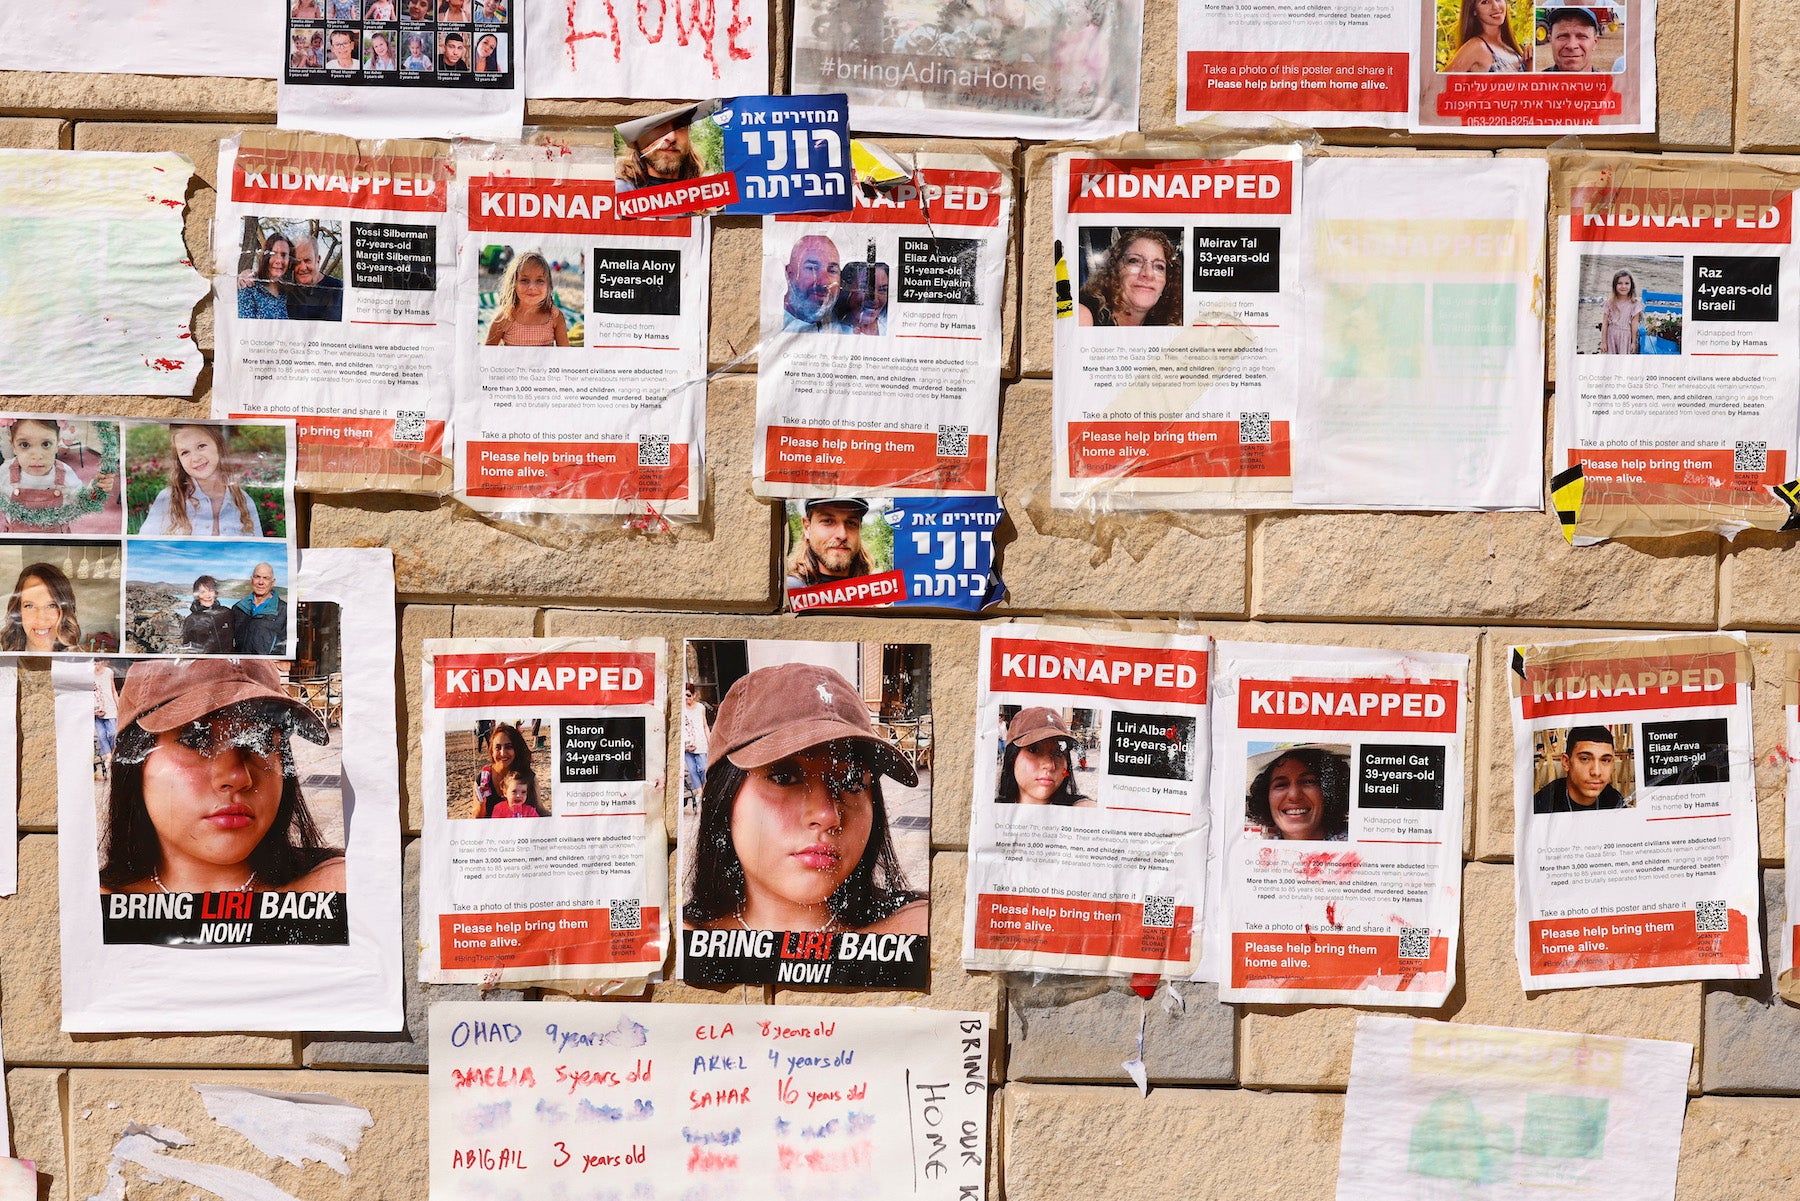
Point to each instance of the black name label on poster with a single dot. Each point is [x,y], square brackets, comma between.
[1228,259]
[1401,777]
[401,258]
[637,283]
[224,919]
[1737,288]
[604,750]
[1687,752]
[819,957]
[1150,746]
[939,270]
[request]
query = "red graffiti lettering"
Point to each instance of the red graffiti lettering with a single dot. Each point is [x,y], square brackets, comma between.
[662,18]
[581,35]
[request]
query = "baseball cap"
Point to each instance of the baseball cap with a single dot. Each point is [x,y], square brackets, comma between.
[837,502]
[778,711]
[1031,726]
[166,694]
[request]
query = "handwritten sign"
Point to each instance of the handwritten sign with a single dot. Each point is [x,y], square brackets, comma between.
[657,49]
[529,1099]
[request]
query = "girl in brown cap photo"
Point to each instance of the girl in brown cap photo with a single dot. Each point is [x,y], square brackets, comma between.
[793,832]
[204,794]
[1034,769]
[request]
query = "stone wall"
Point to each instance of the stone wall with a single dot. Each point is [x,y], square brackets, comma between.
[1245,1102]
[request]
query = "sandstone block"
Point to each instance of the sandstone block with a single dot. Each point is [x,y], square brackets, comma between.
[35,133]
[1738,1147]
[439,553]
[493,621]
[1753,1036]
[37,746]
[1187,563]
[1066,1141]
[1506,566]
[136,97]
[1085,1029]
[417,623]
[31,983]
[392,1162]
[34,1101]
[1756,575]
[1695,43]
[1768,70]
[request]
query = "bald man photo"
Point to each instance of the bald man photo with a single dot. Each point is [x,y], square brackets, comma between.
[812,284]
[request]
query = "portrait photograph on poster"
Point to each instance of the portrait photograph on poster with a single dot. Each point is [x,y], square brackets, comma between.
[63,596]
[291,269]
[59,475]
[1298,791]
[532,295]
[1130,275]
[1581,769]
[206,480]
[506,765]
[1630,304]
[180,595]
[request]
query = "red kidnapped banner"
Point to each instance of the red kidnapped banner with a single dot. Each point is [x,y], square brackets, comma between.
[557,678]
[527,205]
[1120,673]
[860,592]
[1629,685]
[1681,215]
[953,197]
[407,185]
[1390,706]
[1180,186]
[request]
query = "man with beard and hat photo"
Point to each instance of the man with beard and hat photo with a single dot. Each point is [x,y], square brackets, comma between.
[663,154]
[830,547]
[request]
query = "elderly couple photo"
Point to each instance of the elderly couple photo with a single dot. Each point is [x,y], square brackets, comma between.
[291,269]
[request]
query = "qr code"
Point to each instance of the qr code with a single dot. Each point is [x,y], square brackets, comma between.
[409,427]
[953,442]
[1159,913]
[1748,457]
[1254,429]
[1710,917]
[653,450]
[1415,943]
[626,915]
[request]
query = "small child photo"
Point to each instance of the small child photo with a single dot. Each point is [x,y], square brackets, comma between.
[59,476]
[531,297]
[201,480]
[498,768]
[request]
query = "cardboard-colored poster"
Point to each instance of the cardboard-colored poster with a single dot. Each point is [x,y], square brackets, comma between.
[206,827]
[705,1101]
[567,734]
[337,303]
[115,222]
[1087,846]
[1337,824]
[1634,801]
[1177,330]
[1422,386]
[672,50]
[879,365]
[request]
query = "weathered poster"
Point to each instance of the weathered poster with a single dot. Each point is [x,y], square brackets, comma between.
[851,552]
[143,37]
[1440,1109]
[1087,848]
[568,736]
[1423,382]
[1337,815]
[336,293]
[1678,366]
[580,342]
[665,50]
[1177,330]
[1634,796]
[403,68]
[975,68]
[115,221]
[886,1104]
[205,811]
[879,364]
[805,831]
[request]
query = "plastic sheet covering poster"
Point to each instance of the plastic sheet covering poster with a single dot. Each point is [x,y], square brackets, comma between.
[581,342]
[336,276]
[1337,823]
[746,155]
[1423,382]
[879,364]
[667,50]
[852,552]
[567,735]
[403,68]
[1785,980]
[805,829]
[1634,801]
[9,782]
[112,225]
[975,68]
[1177,330]
[142,37]
[236,820]
[1087,848]
[146,537]
[1440,1109]
[1678,365]
[887,1104]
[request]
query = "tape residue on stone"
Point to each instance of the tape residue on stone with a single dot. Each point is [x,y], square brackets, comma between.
[144,1146]
[297,1127]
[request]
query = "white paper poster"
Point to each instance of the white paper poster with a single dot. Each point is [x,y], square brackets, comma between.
[336,305]
[1087,846]
[1790,707]
[143,37]
[1423,380]
[1337,823]
[236,821]
[879,364]
[581,342]
[568,734]
[1437,1109]
[9,783]
[1177,330]
[112,224]
[656,50]
[530,1100]
[1634,801]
